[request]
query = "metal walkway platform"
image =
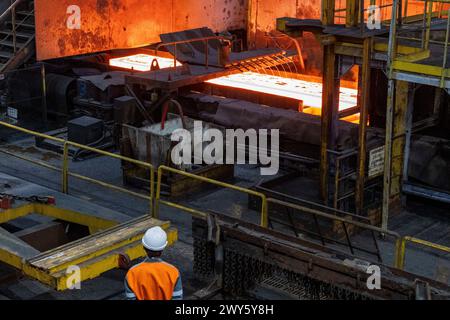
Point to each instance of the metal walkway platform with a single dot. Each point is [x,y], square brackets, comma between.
[112,234]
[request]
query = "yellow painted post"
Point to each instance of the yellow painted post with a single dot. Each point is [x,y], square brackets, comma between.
[400,253]
[428,25]
[399,137]
[152,191]
[444,56]
[264,212]
[158,194]
[65,168]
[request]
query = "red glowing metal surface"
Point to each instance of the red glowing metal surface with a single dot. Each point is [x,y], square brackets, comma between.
[307,91]
[141,62]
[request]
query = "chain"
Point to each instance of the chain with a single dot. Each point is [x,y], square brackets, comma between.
[33,199]
[203,258]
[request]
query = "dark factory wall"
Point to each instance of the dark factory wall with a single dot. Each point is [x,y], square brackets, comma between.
[73,27]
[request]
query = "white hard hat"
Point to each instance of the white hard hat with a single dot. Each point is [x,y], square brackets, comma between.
[155,239]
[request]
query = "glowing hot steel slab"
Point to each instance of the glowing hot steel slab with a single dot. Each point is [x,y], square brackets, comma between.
[141,62]
[308,92]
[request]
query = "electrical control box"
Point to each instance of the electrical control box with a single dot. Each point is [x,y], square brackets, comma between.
[85,130]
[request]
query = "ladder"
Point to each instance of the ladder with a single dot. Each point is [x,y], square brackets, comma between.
[17,35]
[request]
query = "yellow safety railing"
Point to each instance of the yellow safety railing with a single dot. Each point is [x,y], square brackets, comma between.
[416,63]
[264,215]
[400,242]
[402,249]
[65,173]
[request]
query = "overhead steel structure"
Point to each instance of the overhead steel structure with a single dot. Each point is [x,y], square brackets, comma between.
[411,49]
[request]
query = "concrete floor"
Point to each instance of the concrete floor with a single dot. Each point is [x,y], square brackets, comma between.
[423,223]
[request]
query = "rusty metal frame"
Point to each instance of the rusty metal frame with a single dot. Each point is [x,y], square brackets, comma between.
[364,99]
[201,39]
[312,260]
[345,221]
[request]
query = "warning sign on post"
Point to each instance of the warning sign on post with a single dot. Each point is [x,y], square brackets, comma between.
[376,162]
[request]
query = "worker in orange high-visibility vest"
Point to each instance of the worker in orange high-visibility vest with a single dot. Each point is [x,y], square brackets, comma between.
[154,279]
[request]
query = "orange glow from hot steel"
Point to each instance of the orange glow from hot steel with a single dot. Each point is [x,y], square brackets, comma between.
[141,62]
[310,92]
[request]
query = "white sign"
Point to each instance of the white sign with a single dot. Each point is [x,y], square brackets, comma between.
[12,113]
[376,162]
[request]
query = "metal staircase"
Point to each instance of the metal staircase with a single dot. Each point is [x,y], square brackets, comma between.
[17,35]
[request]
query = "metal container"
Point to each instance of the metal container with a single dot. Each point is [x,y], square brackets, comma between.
[154,145]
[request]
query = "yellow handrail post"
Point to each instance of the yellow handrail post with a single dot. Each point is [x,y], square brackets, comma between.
[65,168]
[152,191]
[400,253]
[402,248]
[428,23]
[444,56]
[264,212]
[158,193]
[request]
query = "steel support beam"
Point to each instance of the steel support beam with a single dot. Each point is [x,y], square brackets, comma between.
[396,122]
[408,131]
[387,154]
[399,137]
[330,98]
[328,12]
[363,101]
[389,116]
[351,13]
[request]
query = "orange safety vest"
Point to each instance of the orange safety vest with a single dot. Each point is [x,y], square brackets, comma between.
[153,280]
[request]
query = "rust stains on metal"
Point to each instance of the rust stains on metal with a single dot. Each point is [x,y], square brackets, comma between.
[113,24]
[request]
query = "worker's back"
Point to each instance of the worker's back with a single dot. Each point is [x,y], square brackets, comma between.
[153,279]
